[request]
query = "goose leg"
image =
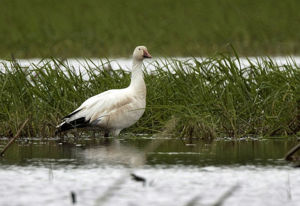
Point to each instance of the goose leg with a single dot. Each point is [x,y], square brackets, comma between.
[106,134]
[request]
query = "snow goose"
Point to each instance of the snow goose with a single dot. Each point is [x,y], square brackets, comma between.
[115,109]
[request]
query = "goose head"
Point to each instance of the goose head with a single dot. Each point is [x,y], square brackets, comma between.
[140,53]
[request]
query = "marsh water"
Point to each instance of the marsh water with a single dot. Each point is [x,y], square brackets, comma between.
[173,172]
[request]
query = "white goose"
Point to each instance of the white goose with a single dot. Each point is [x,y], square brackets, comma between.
[115,109]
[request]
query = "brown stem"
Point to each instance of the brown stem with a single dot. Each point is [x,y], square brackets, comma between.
[288,155]
[14,138]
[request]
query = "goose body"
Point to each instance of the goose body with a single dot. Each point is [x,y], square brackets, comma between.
[115,109]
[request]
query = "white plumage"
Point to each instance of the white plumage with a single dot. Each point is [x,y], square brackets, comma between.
[116,109]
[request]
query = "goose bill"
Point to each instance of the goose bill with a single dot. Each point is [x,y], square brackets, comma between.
[146,54]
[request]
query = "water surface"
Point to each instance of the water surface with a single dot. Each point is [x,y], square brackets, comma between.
[177,172]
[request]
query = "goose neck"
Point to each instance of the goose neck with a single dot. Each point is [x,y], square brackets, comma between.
[137,76]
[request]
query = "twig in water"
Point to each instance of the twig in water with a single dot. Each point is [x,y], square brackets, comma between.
[226,195]
[289,194]
[138,178]
[193,201]
[14,138]
[50,173]
[111,190]
[290,153]
[73,197]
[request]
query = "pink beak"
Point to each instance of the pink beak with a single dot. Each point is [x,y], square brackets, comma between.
[146,54]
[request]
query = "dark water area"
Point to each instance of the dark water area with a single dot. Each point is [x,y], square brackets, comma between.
[167,152]
[175,172]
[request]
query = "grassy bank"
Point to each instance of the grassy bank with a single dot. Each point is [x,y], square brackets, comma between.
[100,28]
[213,98]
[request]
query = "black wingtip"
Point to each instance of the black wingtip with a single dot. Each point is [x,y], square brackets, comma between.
[77,123]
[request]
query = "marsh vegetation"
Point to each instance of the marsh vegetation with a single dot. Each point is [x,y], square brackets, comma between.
[214,97]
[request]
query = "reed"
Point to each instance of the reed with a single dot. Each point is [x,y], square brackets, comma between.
[215,97]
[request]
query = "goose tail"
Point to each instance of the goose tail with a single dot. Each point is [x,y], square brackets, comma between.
[77,123]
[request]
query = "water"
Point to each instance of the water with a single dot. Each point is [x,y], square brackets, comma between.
[41,172]
[80,64]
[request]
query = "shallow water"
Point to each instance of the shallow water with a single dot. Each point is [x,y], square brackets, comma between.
[177,172]
[80,64]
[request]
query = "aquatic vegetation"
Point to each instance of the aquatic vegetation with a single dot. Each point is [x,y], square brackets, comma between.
[215,97]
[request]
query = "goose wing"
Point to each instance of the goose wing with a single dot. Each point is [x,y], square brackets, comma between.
[100,105]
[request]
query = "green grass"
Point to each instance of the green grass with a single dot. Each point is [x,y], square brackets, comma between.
[213,98]
[101,28]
